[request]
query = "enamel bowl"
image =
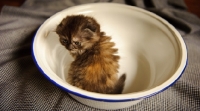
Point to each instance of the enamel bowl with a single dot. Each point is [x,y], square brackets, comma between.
[153,54]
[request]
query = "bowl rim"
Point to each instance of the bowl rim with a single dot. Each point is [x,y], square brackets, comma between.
[129,96]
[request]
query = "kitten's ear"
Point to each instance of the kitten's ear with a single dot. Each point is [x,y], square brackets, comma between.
[60,26]
[58,29]
[91,27]
[62,23]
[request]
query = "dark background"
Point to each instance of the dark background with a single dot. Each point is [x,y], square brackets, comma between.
[193,5]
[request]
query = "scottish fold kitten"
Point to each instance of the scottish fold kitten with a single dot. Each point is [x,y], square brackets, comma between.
[95,66]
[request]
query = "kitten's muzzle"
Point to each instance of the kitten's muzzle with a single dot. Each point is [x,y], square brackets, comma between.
[74,50]
[75,45]
[71,47]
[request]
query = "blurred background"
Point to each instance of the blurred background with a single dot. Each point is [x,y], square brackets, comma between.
[193,5]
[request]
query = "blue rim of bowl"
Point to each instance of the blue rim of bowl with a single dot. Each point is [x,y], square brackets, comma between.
[106,100]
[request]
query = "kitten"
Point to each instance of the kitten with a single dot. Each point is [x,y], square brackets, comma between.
[95,66]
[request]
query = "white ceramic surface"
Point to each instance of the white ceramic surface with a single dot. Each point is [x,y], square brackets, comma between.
[153,54]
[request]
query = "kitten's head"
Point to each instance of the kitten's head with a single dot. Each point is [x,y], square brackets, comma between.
[78,33]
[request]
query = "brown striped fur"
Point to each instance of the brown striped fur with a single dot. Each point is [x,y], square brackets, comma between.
[95,66]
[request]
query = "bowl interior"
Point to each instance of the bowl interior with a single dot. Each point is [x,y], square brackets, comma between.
[150,50]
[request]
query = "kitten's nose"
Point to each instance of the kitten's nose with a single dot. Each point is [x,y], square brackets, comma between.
[71,47]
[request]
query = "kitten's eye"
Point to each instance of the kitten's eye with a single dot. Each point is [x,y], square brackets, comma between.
[77,43]
[64,41]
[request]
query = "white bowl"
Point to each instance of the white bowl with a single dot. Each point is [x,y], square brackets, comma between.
[153,54]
